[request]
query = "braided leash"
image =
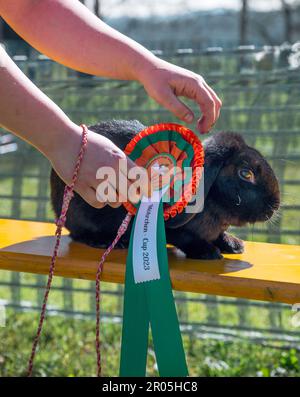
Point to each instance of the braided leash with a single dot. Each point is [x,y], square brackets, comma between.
[68,194]
[67,197]
[122,229]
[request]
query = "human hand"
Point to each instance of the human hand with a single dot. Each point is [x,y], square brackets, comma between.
[101,157]
[165,82]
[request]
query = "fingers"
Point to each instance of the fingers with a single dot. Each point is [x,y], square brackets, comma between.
[90,196]
[115,204]
[139,183]
[217,100]
[168,99]
[208,102]
[113,186]
[193,87]
[208,109]
[198,90]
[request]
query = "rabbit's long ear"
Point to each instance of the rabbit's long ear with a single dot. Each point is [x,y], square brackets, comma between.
[211,171]
[188,213]
[218,148]
[196,206]
[183,218]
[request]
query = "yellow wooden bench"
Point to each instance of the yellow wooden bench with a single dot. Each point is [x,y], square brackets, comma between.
[269,272]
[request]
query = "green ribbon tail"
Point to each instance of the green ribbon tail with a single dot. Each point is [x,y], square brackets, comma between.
[152,302]
[135,331]
[165,328]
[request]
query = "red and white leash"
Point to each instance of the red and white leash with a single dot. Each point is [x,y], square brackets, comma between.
[68,195]
[122,229]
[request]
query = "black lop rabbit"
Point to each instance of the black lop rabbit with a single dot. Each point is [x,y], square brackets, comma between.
[239,187]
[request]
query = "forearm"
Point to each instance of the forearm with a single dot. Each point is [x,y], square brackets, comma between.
[69,33]
[27,112]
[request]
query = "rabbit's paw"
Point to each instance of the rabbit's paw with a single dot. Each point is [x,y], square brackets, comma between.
[229,244]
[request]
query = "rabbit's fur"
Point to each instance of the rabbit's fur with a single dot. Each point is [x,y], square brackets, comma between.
[229,200]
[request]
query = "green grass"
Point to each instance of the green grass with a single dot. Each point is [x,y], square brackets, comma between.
[67,344]
[67,349]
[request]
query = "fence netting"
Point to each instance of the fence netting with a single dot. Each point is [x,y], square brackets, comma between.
[260,90]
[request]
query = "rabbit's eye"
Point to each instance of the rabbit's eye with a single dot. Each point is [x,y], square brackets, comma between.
[246,174]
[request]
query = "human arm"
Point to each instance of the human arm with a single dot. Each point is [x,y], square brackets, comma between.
[31,115]
[69,33]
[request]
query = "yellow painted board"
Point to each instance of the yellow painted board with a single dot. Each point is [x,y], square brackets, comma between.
[264,271]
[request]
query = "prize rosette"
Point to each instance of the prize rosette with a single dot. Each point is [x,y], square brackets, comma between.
[178,151]
[177,156]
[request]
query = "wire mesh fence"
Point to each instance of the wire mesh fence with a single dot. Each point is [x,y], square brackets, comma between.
[260,89]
